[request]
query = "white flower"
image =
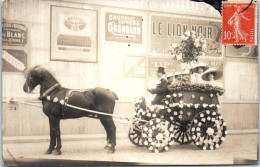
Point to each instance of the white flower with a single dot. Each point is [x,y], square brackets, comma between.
[204,46]
[196,45]
[62,102]
[201,98]
[193,32]
[193,96]
[174,46]
[187,33]
[193,36]
[183,37]
[168,96]
[55,100]
[180,101]
[203,40]
[211,95]
[188,105]
[169,110]
[181,105]
[166,102]
[197,41]
[179,56]
[204,105]
[174,94]
[196,105]
[180,94]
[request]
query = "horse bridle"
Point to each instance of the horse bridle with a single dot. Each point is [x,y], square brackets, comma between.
[49,91]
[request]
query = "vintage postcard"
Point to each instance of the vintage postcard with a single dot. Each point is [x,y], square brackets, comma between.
[133,82]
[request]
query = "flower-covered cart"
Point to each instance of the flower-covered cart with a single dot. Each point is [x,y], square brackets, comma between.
[188,114]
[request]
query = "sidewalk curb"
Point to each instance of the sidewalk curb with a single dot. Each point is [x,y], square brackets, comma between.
[82,137]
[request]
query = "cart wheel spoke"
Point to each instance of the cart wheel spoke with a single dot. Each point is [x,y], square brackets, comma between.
[213,131]
[182,132]
[157,135]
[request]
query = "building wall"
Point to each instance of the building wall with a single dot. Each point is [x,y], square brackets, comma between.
[239,104]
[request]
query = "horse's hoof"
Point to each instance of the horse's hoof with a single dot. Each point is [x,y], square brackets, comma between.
[48,151]
[57,152]
[107,147]
[111,151]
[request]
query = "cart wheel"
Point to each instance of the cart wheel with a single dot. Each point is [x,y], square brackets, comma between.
[158,135]
[208,130]
[134,134]
[182,132]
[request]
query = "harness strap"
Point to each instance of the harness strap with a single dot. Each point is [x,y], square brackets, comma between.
[69,93]
[49,91]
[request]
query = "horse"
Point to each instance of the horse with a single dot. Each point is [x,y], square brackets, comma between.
[54,98]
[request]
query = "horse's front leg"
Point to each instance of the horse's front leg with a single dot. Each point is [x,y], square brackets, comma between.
[57,135]
[52,137]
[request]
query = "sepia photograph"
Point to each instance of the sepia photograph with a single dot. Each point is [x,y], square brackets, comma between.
[130,82]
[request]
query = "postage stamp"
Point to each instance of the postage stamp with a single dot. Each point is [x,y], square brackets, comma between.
[239,23]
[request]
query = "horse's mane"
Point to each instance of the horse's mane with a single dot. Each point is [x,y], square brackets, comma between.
[40,69]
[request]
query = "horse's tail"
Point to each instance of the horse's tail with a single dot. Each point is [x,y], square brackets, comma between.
[116,97]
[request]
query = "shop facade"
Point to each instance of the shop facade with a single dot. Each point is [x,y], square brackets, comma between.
[116,45]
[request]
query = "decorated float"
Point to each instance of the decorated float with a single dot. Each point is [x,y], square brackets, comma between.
[189,113]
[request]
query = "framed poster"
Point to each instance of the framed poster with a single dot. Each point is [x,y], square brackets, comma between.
[168,29]
[123,28]
[73,34]
[135,66]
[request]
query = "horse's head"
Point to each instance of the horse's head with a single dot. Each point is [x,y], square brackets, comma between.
[34,77]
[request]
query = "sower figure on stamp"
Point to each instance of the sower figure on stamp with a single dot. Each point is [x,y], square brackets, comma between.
[235,20]
[161,88]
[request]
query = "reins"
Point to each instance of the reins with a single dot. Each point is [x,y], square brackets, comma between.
[122,119]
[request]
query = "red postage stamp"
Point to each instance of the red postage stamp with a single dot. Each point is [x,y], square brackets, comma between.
[239,23]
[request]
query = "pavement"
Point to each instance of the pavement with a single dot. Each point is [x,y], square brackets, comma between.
[237,149]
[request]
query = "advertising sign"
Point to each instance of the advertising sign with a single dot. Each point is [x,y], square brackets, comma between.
[168,30]
[135,66]
[14,60]
[171,66]
[73,34]
[123,28]
[14,34]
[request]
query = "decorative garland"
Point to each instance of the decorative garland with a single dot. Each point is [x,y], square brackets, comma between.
[200,87]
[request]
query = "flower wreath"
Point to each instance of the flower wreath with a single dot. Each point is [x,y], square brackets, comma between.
[196,87]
